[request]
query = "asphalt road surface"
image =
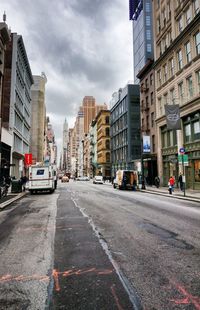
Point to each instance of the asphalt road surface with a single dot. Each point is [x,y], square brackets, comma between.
[89,246]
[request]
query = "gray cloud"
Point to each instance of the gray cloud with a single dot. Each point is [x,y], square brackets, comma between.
[84,47]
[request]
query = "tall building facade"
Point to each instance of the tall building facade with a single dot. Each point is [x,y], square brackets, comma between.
[38,117]
[50,149]
[65,144]
[16,103]
[5,137]
[148,124]
[177,81]
[103,143]
[125,129]
[140,12]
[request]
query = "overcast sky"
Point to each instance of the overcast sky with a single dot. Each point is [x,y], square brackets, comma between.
[83,46]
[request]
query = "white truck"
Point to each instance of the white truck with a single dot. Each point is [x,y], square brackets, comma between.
[42,178]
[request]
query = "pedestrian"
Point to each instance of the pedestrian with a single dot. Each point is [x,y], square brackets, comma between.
[180,181]
[171,185]
[24,179]
[157,181]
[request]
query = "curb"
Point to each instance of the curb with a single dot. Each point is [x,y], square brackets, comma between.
[188,198]
[8,202]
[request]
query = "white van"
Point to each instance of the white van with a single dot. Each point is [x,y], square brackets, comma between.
[41,178]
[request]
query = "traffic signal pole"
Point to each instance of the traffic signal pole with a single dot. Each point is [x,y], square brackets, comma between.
[184,177]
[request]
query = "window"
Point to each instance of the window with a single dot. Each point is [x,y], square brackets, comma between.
[170,138]
[149,48]
[148,21]
[181,92]
[188,16]
[171,64]
[172,96]
[164,17]
[196,126]
[180,24]
[160,106]
[107,131]
[180,59]
[148,34]
[107,157]
[198,80]
[165,73]
[187,129]
[148,8]
[153,143]
[190,87]
[197,43]
[168,10]
[152,119]
[188,52]
[159,78]
[196,6]
[151,79]
[151,98]
[107,119]
[158,25]
[40,172]
[107,144]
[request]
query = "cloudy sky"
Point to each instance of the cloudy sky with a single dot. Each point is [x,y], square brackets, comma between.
[83,46]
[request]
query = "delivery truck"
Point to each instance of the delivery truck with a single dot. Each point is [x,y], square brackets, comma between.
[126,179]
[42,178]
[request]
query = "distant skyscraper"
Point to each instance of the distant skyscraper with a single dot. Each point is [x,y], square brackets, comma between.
[88,111]
[140,12]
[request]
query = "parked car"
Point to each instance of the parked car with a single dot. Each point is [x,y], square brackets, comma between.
[98,179]
[65,179]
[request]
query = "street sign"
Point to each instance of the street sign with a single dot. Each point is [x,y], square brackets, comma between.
[182,150]
[183,159]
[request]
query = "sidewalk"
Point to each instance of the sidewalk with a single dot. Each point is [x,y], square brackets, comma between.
[10,198]
[191,195]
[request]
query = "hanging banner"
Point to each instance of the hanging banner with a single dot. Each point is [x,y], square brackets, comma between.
[28,159]
[146,144]
[173,119]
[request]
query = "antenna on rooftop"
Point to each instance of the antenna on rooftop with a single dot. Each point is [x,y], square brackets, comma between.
[4,17]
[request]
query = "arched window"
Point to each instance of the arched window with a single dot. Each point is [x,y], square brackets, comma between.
[107,132]
[107,144]
[107,157]
[107,120]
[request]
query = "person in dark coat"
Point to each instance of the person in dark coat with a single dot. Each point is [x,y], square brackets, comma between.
[24,179]
[180,181]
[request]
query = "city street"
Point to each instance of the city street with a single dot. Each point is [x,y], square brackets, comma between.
[89,246]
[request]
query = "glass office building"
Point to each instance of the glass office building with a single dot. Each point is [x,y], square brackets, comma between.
[140,12]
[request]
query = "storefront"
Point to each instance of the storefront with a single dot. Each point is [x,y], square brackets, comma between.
[191,125]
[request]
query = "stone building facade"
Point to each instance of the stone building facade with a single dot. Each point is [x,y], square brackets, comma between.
[177,81]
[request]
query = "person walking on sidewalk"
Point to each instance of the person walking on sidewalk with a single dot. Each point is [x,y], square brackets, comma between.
[171,185]
[157,181]
[180,181]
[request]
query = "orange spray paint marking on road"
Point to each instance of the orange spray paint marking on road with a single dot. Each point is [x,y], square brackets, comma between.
[116,298]
[56,280]
[188,299]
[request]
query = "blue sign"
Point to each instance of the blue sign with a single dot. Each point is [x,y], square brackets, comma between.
[182,150]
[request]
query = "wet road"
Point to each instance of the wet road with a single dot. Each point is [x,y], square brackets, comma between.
[50,256]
